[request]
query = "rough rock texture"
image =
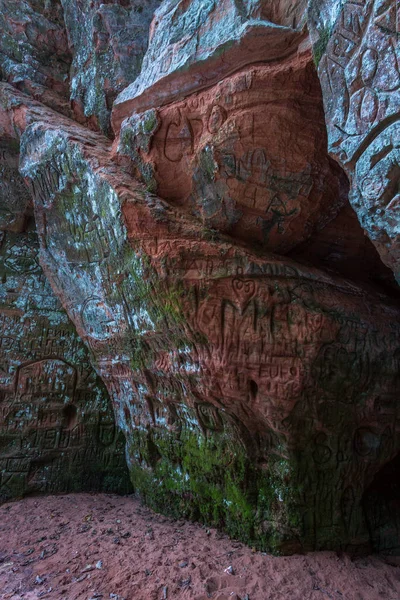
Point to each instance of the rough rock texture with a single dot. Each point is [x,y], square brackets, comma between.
[15,200]
[195,44]
[256,392]
[57,429]
[34,54]
[247,156]
[108,41]
[356,45]
[57,426]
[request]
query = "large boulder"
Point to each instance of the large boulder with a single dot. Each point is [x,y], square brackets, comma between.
[254,393]
[356,48]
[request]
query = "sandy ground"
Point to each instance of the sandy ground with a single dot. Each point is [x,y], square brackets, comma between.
[91,546]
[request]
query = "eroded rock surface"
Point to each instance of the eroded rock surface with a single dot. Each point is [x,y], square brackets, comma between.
[34,54]
[108,41]
[57,428]
[247,156]
[357,46]
[195,44]
[256,392]
[15,200]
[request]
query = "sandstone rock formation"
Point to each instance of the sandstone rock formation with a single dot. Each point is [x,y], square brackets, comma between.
[356,47]
[243,156]
[108,41]
[256,391]
[57,429]
[34,54]
[15,200]
[195,44]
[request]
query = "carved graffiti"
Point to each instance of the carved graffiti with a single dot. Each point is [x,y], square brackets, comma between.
[49,401]
[210,154]
[98,318]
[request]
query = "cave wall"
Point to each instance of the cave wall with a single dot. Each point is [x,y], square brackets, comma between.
[357,52]
[57,428]
[108,41]
[212,274]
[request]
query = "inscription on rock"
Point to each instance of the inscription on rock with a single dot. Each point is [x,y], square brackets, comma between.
[243,158]
[57,428]
[232,384]
[224,366]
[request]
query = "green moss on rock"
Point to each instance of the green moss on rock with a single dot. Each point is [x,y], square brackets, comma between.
[320,46]
[212,478]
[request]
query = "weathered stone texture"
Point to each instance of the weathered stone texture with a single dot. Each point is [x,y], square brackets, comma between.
[34,54]
[15,200]
[246,156]
[57,428]
[195,44]
[256,392]
[356,46]
[108,41]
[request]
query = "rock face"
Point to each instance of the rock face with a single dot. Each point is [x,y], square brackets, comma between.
[108,41]
[195,255]
[34,54]
[356,45]
[57,428]
[195,44]
[243,156]
[15,200]
[245,385]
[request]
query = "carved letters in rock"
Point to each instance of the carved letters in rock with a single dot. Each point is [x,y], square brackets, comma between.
[243,156]
[212,351]
[57,428]
[257,392]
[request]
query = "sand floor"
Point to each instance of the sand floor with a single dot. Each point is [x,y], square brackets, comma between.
[98,546]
